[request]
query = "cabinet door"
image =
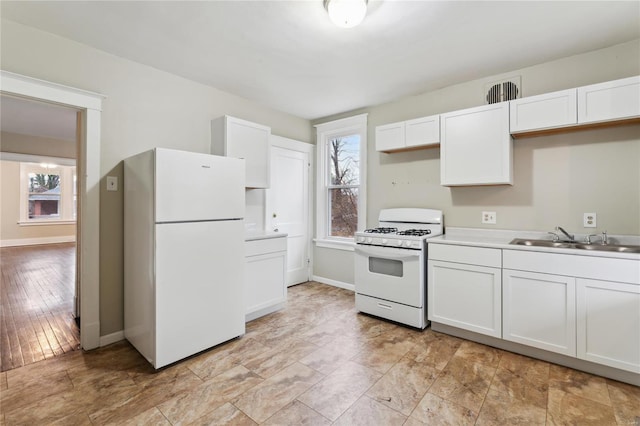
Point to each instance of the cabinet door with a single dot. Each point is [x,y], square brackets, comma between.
[423,131]
[465,296]
[476,147]
[548,111]
[238,138]
[608,316]
[539,310]
[264,286]
[390,137]
[610,101]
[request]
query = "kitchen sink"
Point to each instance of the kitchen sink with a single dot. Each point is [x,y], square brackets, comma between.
[619,248]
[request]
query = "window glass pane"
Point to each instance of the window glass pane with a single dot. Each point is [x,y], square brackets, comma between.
[344,160]
[44,195]
[343,212]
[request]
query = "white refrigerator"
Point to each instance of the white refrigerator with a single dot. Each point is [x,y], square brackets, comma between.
[183,252]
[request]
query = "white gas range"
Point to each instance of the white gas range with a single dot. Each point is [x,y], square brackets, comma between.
[391,265]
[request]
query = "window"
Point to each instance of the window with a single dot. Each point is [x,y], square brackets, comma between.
[47,193]
[341,192]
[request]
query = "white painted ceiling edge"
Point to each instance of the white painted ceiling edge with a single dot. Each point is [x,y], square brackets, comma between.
[289,56]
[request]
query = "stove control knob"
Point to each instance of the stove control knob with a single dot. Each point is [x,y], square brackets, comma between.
[399,243]
[385,241]
[407,243]
[359,239]
[369,240]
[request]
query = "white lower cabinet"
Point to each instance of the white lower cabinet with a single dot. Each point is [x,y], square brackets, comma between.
[608,320]
[265,269]
[465,295]
[539,310]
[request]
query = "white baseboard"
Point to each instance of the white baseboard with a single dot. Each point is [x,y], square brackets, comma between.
[111,338]
[334,283]
[37,241]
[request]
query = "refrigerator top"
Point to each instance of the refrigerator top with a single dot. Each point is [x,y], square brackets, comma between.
[197,187]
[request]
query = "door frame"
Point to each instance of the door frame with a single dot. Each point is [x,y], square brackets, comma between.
[307,148]
[89,105]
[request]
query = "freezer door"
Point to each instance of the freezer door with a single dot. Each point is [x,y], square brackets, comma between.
[191,186]
[199,287]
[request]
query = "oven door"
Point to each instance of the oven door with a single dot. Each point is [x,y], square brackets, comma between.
[390,273]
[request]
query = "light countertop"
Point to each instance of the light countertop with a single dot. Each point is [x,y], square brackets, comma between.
[262,235]
[500,239]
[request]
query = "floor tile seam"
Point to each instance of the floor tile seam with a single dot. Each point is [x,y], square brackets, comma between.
[586,398]
[392,408]
[300,402]
[484,399]
[503,392]
[222,372]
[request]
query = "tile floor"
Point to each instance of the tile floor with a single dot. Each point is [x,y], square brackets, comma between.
[317,362]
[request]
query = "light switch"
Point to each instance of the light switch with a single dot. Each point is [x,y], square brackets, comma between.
[112,183]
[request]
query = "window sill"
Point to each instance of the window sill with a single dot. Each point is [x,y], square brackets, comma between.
[46,222]
[345,245]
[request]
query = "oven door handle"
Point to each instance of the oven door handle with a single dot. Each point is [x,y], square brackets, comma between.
[388,252]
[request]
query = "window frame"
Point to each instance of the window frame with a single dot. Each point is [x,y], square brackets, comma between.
[325,133]
[67,193]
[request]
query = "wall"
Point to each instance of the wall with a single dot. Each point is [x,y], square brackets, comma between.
[36,145]
[556,179]
[10,232]
[144,108]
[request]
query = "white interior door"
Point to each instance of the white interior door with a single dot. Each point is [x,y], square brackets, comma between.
[287,203]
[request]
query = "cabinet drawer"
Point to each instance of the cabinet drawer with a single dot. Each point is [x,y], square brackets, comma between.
[600,268]
[268,245]
[466,254]
[390,310]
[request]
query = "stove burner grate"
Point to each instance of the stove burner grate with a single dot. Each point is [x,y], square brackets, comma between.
[381,230]
[415,232]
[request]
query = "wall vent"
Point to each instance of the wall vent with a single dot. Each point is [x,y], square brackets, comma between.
[503,90]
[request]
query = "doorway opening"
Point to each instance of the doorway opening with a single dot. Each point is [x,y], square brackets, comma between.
[88,106]
[38,231]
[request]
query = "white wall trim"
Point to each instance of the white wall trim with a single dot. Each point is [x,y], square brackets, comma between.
[309,149]
[334,283]
[324,132]
[89,105]
[37,241]
[111,338]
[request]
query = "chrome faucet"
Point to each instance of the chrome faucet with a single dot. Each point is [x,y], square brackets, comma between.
[569,236]
[603,236]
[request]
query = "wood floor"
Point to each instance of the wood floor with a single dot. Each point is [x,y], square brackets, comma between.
[36,303]
[316,362]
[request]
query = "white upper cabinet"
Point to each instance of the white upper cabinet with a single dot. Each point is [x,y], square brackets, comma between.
[390,137]
[233,137]
[476,147]
[411,134]
[547,111]
[610,101]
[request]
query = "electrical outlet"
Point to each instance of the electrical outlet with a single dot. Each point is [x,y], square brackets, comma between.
[589,220]
[489,218]
[112,183]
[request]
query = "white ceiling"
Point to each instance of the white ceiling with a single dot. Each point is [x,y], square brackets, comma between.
[288,56]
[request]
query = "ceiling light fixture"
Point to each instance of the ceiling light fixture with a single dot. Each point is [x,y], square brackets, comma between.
[346,13]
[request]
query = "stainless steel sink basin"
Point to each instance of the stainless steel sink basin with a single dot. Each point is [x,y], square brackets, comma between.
[580,246]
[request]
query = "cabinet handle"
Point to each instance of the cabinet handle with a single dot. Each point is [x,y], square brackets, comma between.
[382,305]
